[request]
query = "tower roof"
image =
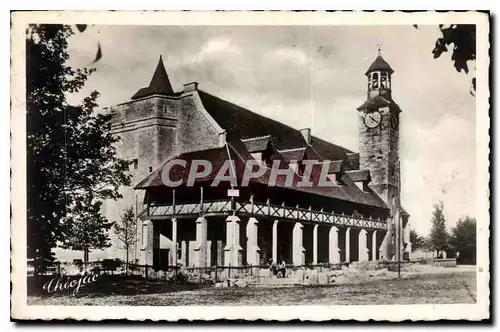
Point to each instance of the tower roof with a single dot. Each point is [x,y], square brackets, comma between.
[159,85]
[379,64]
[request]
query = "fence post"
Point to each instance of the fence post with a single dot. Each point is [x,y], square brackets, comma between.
[229,272]
[146,272]
[215,272]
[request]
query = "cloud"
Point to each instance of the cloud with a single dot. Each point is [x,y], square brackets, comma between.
[288,57]
[267,69]
[217,49]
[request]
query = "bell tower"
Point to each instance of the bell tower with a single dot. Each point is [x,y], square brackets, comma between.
[379,132]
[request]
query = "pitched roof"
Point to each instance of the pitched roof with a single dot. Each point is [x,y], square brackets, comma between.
[378,101]
[379,64]
[159,85]
[242,123]
[237,151]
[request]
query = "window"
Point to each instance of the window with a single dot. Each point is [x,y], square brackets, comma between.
[150,169]
[144,236]
[375,81]
[384,80]
[136,163]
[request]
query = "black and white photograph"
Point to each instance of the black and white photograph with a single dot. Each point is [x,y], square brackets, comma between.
[316,166]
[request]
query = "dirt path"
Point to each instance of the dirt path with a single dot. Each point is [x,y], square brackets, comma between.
[438,288]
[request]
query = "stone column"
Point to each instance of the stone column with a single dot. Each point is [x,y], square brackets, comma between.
[348,244]
[148,243]
[253,250]
[333,245]
[200,249]
[275,241]
[209,253]
[387,246]
[362,246]
[298,249]
[374,246]
[173,248]
[184,253]
[233,250]
[315,244]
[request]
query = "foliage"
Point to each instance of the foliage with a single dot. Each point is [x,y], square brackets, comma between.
[463,39]
[463,239]
[438,236]
[71,161]
[417,241]
[126,231]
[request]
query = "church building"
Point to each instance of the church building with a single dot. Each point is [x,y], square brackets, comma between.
[358,218]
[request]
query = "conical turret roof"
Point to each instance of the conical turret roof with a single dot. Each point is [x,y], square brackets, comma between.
[159,85]
[379,65]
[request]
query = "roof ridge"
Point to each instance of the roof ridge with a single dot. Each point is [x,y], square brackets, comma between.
[292,149]
[254,138]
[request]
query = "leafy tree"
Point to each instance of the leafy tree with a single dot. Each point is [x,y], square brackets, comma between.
[71,159]
[417,241]
[86,228]
[438,236]
[463,239]
[126,231]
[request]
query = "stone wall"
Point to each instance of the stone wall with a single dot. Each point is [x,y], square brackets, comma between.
[152,129]
[379,153]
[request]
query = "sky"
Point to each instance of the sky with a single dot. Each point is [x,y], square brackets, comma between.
[312,76]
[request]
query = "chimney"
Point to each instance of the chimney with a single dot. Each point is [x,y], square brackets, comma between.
[306,133]
[193,86]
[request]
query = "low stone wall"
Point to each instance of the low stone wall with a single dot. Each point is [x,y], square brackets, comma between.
[446,262]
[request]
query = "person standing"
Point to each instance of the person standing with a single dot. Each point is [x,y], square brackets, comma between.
[282,269]
[272,267]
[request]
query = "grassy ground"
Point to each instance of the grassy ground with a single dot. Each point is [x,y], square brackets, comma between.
[443,288]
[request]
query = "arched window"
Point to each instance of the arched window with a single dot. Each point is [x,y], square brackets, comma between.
[384,80]
[375,81]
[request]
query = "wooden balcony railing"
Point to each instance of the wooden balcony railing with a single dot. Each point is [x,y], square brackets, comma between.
[255,209]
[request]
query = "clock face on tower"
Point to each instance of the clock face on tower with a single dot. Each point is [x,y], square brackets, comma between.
[372,119]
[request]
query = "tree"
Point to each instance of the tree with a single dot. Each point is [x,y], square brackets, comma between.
[463,239]
[417,241]
[126,231]
[438,236]
[71,159]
